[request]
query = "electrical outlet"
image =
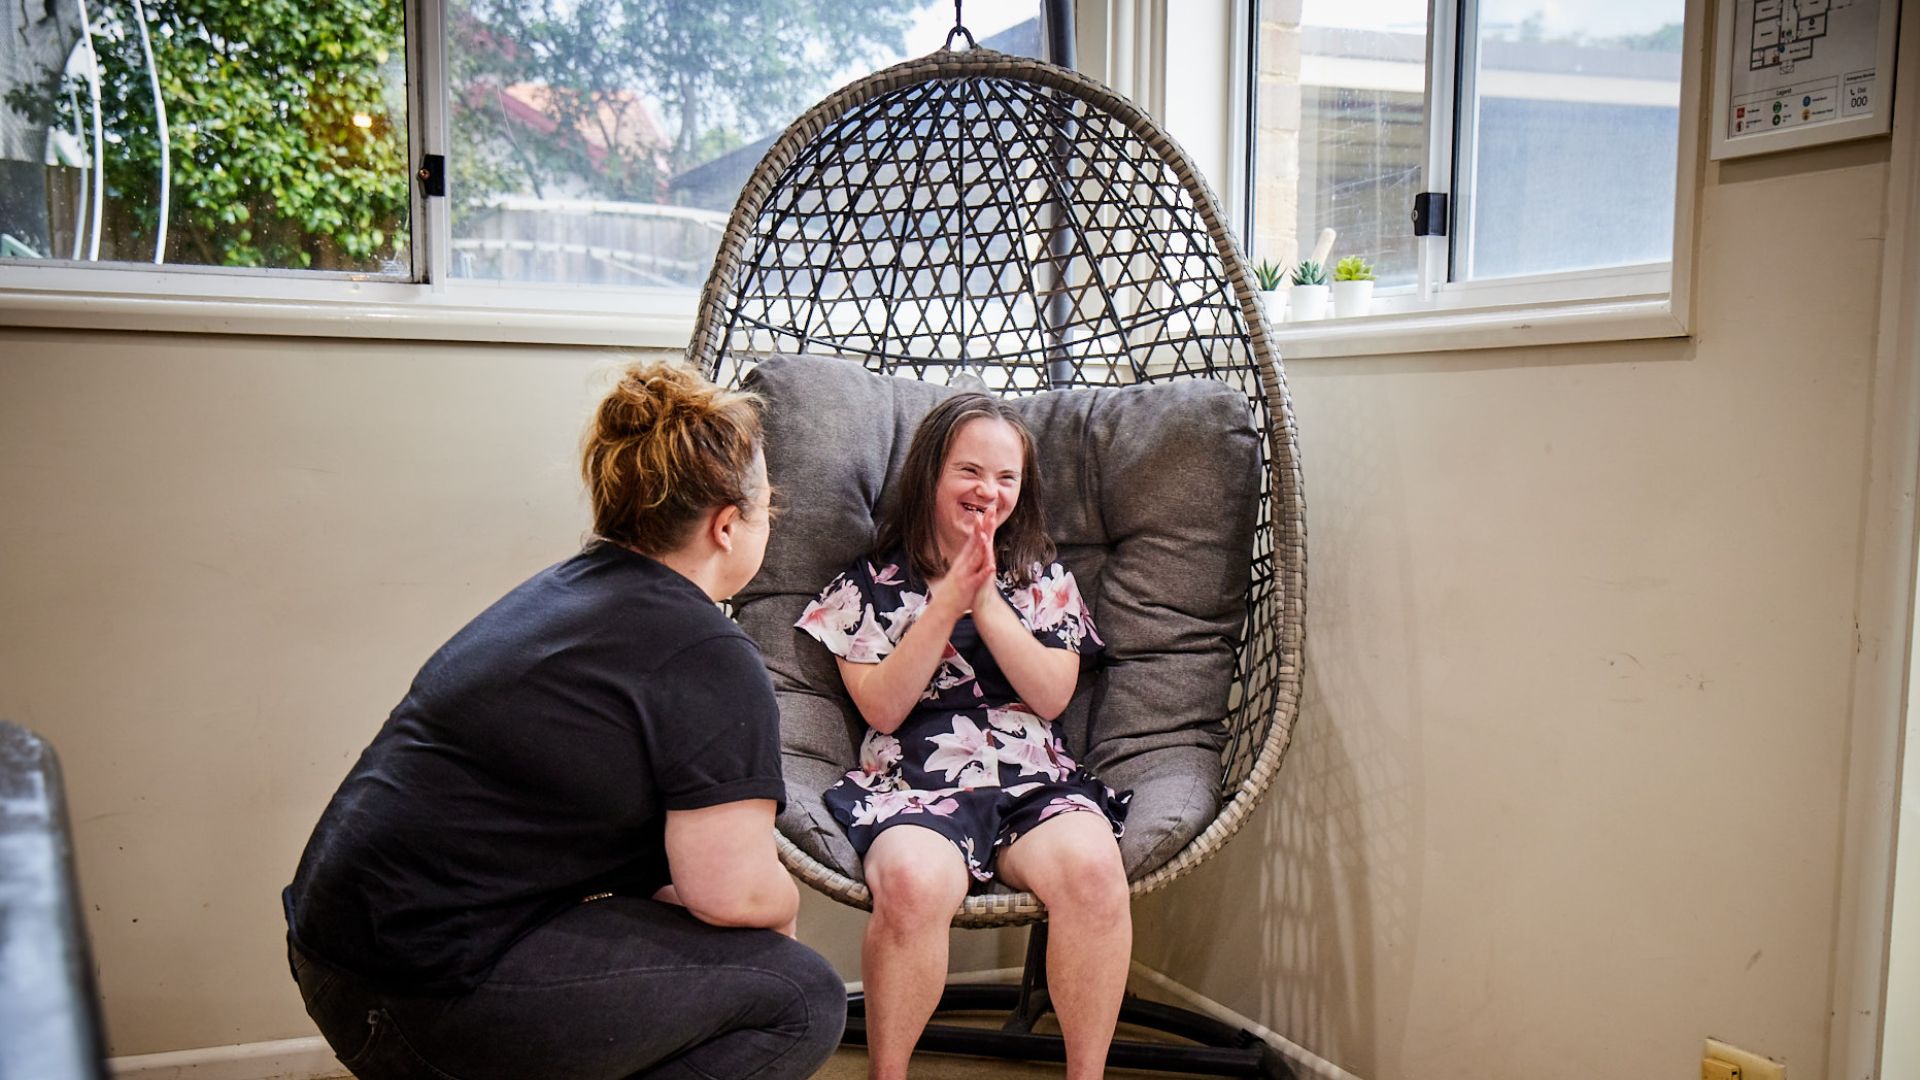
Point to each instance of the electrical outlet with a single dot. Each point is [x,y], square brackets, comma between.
[1746,1065]
[1715,1069]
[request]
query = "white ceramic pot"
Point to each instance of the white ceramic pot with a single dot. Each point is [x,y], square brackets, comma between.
[1352,298]
[1307,303]
[1274,301]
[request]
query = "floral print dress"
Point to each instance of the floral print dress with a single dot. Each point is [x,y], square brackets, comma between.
[970,761]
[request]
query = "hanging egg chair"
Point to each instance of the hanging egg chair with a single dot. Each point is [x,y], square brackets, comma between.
[979,219]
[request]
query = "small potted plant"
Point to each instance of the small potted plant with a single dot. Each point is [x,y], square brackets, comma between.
[1308,298]
[1352,286]
[1270,276]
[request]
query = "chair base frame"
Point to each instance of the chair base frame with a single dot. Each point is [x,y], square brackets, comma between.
[1213,1048]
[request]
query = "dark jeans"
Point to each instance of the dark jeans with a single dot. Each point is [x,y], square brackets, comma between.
[613,989]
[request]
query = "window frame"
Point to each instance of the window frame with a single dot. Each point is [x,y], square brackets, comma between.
[1649,300]
[427,304]
[1120,41]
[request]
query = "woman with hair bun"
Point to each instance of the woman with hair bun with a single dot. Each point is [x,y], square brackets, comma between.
[556,858]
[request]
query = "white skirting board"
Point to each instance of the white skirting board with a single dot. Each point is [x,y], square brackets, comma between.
[287,1059]
[1305,1062]
[311,1059]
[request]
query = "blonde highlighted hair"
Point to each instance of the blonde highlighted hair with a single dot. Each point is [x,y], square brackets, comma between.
[665,447]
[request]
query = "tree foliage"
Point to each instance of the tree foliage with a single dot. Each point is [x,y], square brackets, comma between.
[269,168]
[723,71]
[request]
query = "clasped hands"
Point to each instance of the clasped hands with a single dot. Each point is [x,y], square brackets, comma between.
[971,580]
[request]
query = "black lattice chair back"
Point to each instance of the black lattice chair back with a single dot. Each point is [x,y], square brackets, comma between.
[1000,217]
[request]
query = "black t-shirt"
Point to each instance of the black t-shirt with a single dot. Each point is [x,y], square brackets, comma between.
[532,764]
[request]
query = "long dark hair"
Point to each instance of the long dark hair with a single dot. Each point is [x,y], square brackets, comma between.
[1021,542]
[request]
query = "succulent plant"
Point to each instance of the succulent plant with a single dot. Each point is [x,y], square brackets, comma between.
[1353,268]
[1270,275]
[1309,273]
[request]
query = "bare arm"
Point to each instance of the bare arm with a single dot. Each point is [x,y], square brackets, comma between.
[887,691]
[1044,678]
[725,869]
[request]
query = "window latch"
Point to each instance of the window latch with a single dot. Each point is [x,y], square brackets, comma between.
[1430,214]
[433,175]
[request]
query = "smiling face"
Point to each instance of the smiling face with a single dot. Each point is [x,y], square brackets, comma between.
[971,460]
[980,478]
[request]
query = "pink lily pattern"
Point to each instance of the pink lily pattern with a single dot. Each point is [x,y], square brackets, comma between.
[971,761]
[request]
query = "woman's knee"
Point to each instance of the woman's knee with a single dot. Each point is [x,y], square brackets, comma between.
[916,887]
[1089,877]
[812,1010]
[818,986]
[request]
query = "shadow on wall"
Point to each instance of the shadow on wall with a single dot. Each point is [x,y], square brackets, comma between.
[1342,841]
[1309,919]
[1338,896]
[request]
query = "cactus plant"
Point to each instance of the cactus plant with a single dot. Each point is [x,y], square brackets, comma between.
[1353,268]
[1269,275]
[1308,299]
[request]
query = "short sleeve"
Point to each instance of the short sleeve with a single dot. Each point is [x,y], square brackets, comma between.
[845,620]
[1051,607]
[712,728]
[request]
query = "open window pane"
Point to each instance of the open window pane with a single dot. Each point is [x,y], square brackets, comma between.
[1573,128]
[231,133]
[604,142]
[1341,139]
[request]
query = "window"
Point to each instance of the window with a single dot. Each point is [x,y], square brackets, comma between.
[1552,128]
[592,149]
[196,134]
[605,143]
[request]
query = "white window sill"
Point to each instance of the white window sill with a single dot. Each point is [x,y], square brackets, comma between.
[388,311]
[380,310]
[1623,319]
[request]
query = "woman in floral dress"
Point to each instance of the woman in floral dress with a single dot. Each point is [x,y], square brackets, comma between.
[958,669]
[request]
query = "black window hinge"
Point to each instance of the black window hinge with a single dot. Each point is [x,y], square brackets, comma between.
[433,175]
[1430,214]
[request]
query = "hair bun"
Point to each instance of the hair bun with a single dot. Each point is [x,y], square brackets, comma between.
[649,395]
[664,444]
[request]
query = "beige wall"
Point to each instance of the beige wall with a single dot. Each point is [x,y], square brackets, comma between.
[221,561]
[1567,790]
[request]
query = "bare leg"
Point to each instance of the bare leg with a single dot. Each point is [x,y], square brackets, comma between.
[1072,863]
[918,878]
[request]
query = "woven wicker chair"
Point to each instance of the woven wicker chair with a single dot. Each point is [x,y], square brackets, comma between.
[991,216]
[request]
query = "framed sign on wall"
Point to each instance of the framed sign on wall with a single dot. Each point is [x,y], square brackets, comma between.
[1793,73]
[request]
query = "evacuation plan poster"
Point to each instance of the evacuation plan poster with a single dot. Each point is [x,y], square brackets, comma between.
[1802,64]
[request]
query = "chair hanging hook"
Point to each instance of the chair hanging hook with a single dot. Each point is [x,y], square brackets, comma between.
[959,28]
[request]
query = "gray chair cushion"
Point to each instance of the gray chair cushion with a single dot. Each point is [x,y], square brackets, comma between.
[1150,493]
